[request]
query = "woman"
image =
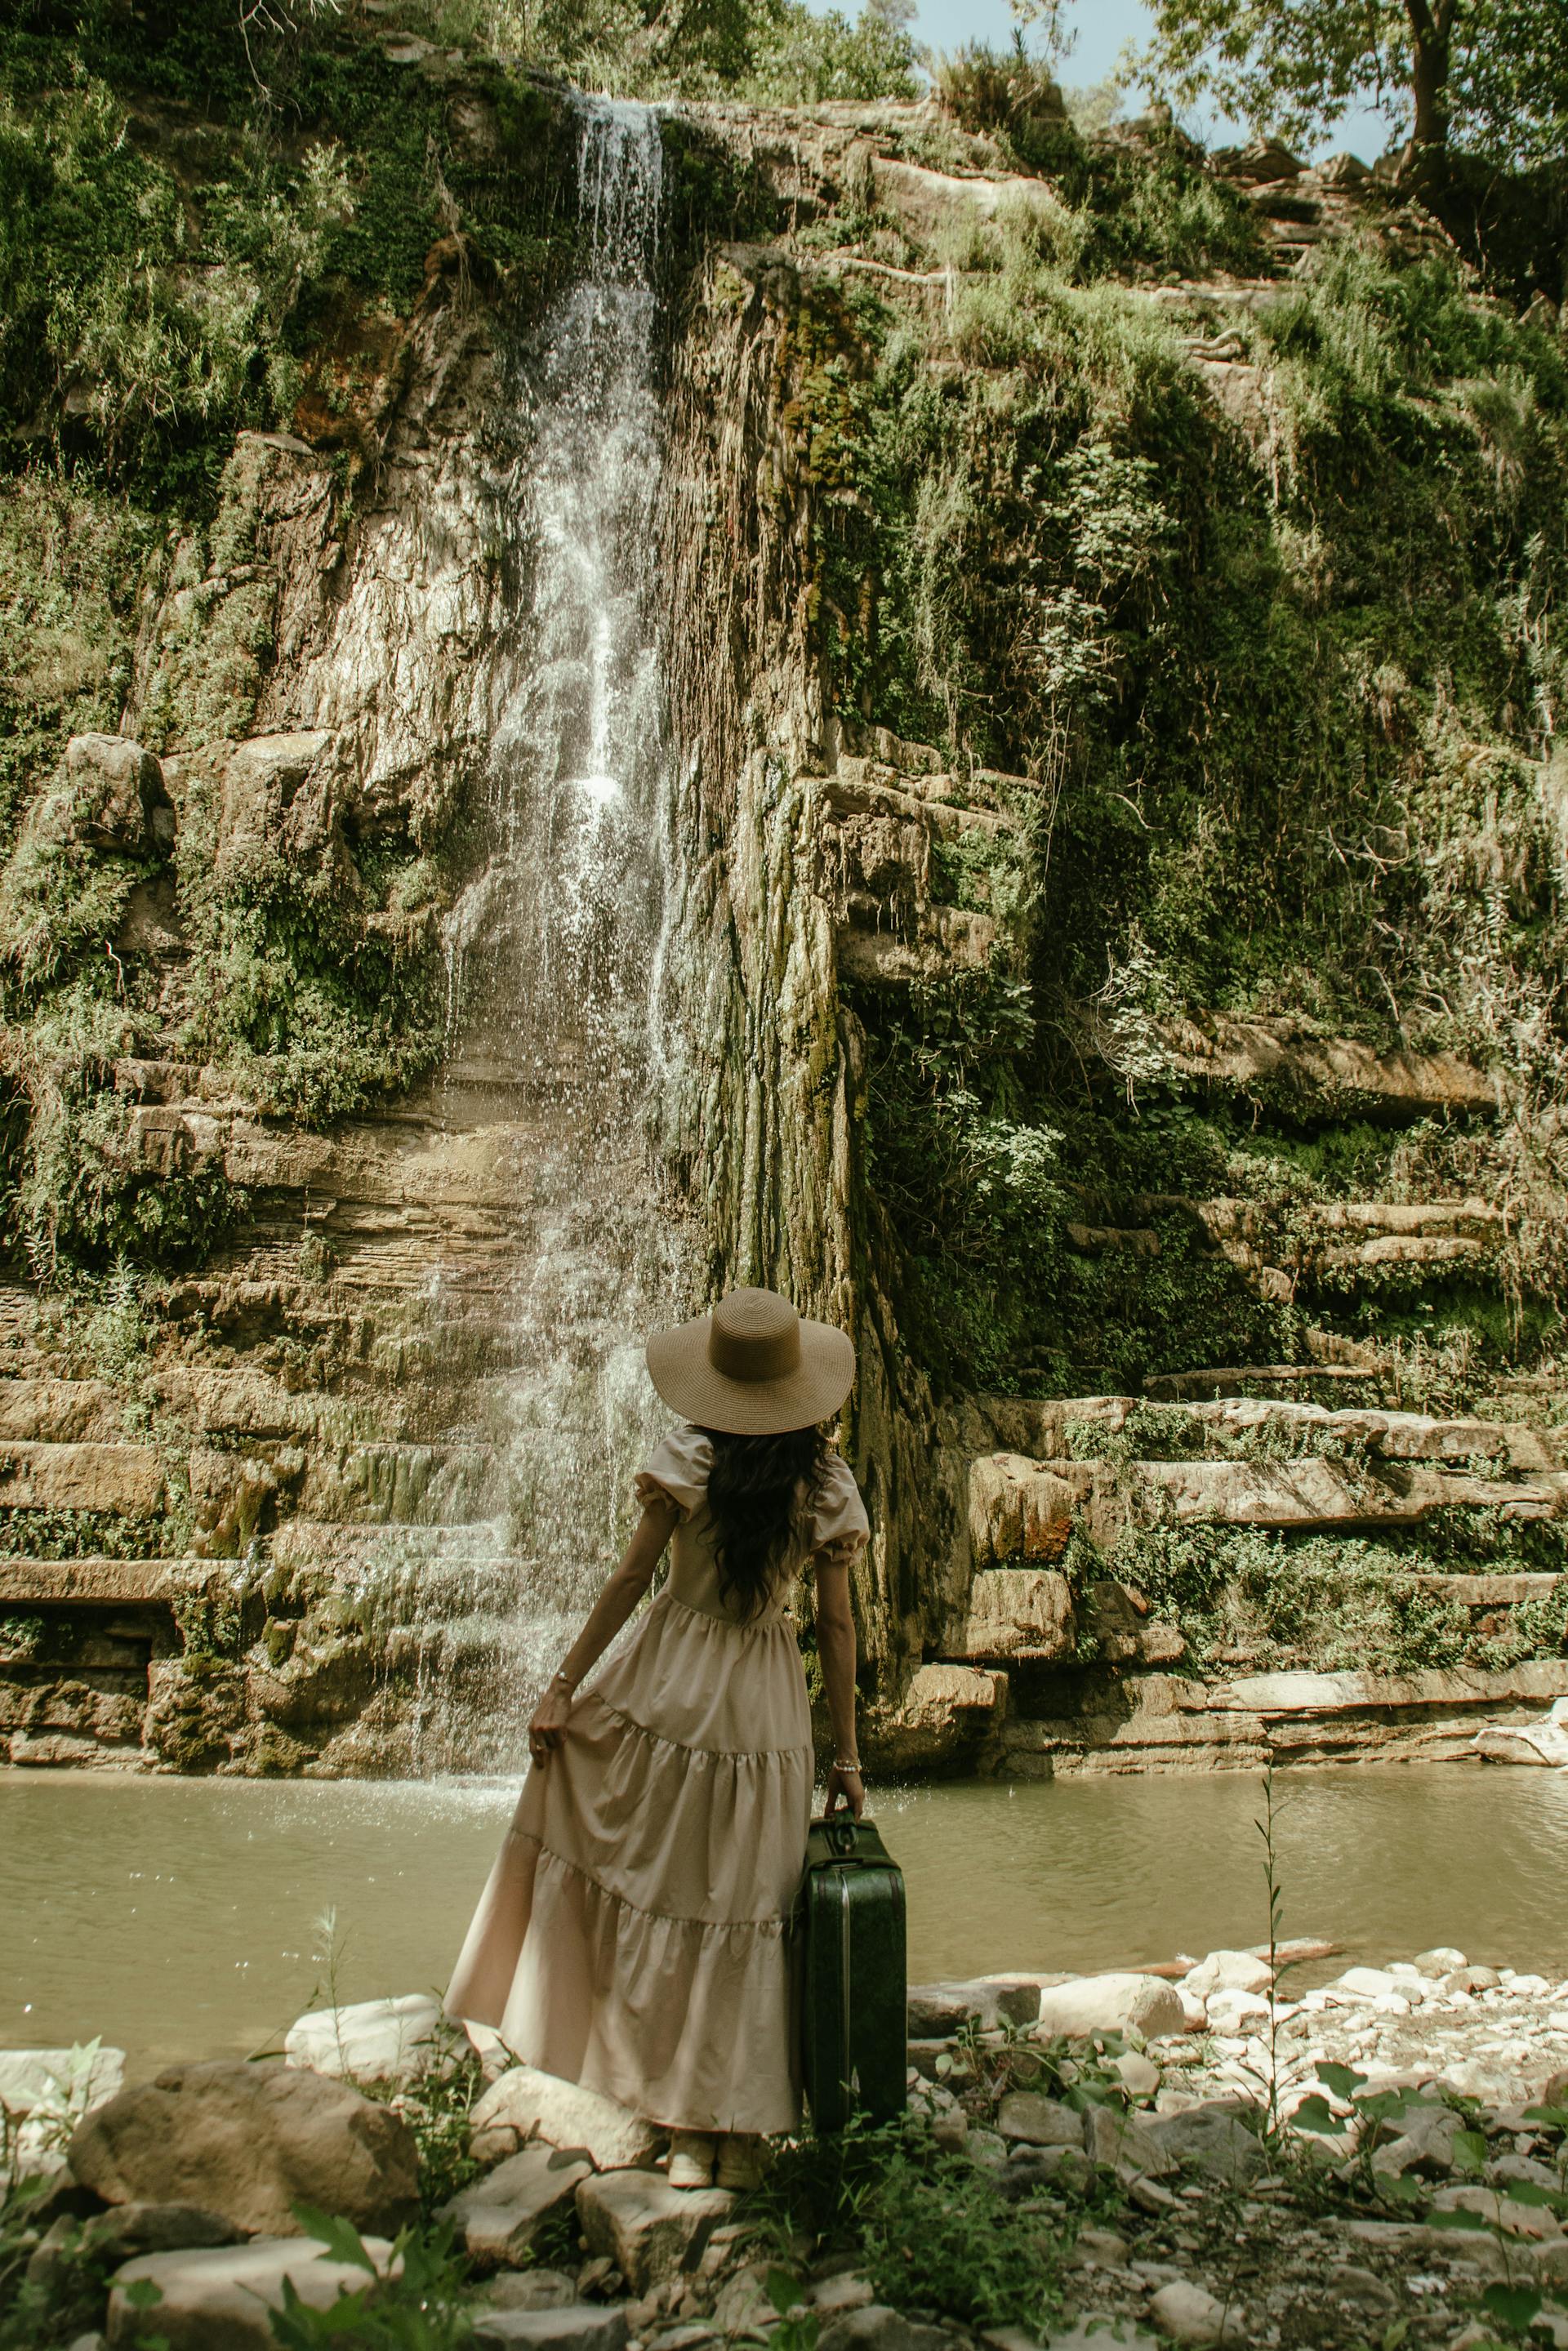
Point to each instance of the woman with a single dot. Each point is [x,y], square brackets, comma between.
[635,1935]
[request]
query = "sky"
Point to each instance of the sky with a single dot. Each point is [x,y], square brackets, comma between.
[1103,28]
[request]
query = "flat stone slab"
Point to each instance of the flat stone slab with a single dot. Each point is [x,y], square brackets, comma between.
[1308,1693]
[219,2298]
[500,2215]
[577,2326]
[88,1477]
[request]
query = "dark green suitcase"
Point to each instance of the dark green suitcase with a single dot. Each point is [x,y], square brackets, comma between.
[854,1995]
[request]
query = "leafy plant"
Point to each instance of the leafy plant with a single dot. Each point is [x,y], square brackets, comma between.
[413,2301]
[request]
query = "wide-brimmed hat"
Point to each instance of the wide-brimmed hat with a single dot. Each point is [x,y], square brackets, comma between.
[753,1367]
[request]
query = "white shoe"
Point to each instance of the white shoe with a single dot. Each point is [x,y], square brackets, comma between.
[742,2161]
[691,2160]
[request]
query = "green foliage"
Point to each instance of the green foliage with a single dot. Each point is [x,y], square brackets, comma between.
[1009,94]
[939,2233]
[934,2230]
[37,2315]
[419,2309]
[805,57]
[69,560]
[436,2106]
[1334,1604]
[1494,73]
[91,1535]
[88,1197]
[113,316]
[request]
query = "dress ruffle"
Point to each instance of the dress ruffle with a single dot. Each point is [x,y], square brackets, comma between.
[678,2019]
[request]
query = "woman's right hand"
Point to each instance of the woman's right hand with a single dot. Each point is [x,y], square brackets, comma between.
[548,1721]
[846,1787]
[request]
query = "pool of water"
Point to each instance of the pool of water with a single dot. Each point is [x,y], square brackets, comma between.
[191,1918]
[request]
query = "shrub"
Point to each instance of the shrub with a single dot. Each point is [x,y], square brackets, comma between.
[1009,95]
[805,58]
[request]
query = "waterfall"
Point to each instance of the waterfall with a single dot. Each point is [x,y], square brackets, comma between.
[557,949]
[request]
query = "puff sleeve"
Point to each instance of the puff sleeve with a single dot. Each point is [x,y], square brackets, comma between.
[676,1471]
[839,1526]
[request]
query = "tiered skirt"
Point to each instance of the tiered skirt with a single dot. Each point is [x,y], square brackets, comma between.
[635,1931]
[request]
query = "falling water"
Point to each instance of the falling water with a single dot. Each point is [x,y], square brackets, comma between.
[555,950]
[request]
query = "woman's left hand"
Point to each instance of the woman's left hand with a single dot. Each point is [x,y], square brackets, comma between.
[548,1722]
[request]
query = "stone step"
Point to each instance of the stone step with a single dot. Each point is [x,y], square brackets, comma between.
[1022,1509]
[211,1402]
[99,1582]
[1240,1379]
[1070,1427]
[1033,1615]
[1167,1722]
[127,1478]
[1275,1055]
[345,1547]
[1487,1592]
[394,1484]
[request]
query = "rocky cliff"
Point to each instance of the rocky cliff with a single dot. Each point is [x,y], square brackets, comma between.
[1094,891]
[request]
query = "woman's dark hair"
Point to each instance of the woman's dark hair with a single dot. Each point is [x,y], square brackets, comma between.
[754,1494]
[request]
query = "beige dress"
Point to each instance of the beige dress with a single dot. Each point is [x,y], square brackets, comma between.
[634,1934]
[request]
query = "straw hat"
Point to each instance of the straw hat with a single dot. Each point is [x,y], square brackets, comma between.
[754,1367]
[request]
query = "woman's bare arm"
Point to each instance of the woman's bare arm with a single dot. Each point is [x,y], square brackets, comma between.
[625,1588]
[836,1649]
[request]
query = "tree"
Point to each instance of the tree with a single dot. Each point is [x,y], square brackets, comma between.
[1488,77]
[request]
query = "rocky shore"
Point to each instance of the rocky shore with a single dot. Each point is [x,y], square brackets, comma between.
[1192,2153]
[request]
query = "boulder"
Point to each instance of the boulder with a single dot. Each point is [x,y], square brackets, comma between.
[874,2327]
[538,2105]
[1228,1971]
[1119,2141]
[531,2289]
[1020,1612]
[1425,2146]
[30,2078]
[1112,2003]
[575,2327]
[120,2234]
[947,1712]
[373,2041]
[1213,2141]
[744,2306]
[499,2215]
[1503,2213]
[831,2296]
[1140,2075]
[1188,2313]
[249,2142]
[651,2231]
[1228,2011]
[220,2300]
[1091,2333]
[1038,2121]
[1367,1984]
[110,795]
[280,799]
[938,2010]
